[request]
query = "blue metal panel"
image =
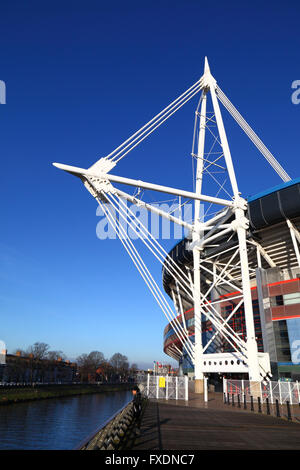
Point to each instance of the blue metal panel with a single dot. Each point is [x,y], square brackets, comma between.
[293,326]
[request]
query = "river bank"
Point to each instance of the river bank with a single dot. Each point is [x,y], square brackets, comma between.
[15,395]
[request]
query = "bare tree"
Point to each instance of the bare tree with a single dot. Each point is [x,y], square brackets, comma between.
[120,364]
[89,363]
[36,353]
[55,355]
[106,370]
[38,350]
[133,369]
[118,361]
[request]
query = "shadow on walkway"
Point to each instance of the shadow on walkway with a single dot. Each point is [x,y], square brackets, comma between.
[195,425]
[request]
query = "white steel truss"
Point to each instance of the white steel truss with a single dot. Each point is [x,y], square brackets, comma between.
[223,271]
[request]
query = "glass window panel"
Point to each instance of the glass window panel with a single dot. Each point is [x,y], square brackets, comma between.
[293,298]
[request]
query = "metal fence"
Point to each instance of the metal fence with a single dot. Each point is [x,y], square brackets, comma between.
[164,387]
[281,391]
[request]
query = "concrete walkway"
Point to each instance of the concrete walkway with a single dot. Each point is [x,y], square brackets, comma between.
[195,425]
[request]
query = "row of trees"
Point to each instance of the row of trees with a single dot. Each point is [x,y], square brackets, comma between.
[90,367]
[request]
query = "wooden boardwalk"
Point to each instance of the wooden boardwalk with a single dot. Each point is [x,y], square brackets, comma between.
[194,425]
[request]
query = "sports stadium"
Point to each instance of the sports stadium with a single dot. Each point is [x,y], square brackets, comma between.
[273,257]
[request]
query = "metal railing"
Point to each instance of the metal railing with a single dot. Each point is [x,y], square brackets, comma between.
[164,387]
[4,385]
[283,392]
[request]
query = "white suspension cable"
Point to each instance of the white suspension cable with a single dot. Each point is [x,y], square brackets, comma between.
[204,302]
[198,326]
[175,271]
[180,305]
[133,255]
[133,222]
[170,265]
[220,276]
[217,320]
[114,153]
[154,289]
[147,132]
[252,135]
[227,330]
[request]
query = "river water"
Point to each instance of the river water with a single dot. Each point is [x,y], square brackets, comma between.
[57,423]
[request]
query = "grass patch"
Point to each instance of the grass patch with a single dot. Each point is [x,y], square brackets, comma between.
[17,395]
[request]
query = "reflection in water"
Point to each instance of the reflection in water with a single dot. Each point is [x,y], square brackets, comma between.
[57,423]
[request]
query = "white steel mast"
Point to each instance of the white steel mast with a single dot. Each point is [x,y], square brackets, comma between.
[231,222]
[196,234]
[241,225]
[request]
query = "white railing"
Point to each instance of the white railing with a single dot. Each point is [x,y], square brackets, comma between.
[281,391]
[164,387]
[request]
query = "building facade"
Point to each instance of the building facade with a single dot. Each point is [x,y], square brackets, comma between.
[26,369]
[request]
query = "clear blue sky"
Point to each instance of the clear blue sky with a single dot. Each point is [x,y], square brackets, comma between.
[83,76]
